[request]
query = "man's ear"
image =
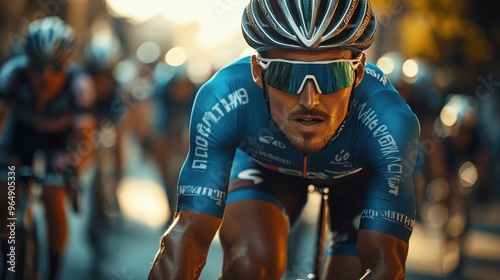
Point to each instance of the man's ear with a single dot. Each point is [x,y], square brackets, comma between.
[256,71]
[360,72]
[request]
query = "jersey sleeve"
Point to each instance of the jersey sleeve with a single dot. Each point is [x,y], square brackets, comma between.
[391,133]
[214,123]
[3,85]
[84,91]
[84,96]
[8,75]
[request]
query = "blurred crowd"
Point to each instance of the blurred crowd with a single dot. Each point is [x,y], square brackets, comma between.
[146,92]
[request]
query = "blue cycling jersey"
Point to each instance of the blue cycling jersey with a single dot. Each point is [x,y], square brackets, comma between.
[379,134]
[167,111]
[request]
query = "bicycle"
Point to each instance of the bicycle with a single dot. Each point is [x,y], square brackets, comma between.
[105,180]
[322,226]
[105,210]
[29,181]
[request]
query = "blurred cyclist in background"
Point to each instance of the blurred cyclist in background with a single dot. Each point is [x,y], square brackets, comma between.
[488,120]
[467,161]
[426,101]
[49,104]
[102,54]
[161,122]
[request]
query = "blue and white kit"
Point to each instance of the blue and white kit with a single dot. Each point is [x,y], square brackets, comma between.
[237,152]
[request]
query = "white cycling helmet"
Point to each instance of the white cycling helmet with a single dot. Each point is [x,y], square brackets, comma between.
[102,53]
[309,24]
[50,38]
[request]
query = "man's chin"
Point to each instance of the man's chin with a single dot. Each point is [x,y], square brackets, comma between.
[311,150]
[307,147]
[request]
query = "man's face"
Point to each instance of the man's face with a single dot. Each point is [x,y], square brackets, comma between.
[308,119]
[47,78]
[104,85]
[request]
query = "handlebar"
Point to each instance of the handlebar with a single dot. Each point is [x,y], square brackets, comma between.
[37,172]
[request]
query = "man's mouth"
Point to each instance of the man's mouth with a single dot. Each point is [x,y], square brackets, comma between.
[308,121]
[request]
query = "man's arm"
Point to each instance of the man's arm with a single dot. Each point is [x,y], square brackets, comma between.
[5,79]
[137,121]
[4,109]
[84,122]
[382,254]
[85,128]
[184,246]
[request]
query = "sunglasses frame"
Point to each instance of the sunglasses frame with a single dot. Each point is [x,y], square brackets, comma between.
[265,62]
[43,65]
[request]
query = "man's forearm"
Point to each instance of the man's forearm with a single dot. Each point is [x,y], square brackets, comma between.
[179,257]
[3,115]
[84,135]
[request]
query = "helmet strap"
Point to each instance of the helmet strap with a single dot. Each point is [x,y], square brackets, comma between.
[264,90]
[349,106]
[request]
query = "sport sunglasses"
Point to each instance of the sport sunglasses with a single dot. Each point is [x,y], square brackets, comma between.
[290,76]
[41,65]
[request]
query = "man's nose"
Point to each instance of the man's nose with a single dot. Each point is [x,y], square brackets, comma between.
[309,96]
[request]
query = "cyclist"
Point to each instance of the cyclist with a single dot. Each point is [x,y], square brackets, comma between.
[161,122]
[102,54]
[305,109]
[467,162]
[425,100]
[49,101]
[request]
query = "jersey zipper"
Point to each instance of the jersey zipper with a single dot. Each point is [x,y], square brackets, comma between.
[304,166]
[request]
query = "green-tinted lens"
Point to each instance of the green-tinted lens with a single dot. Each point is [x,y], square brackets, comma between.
[41,65]
[289,77]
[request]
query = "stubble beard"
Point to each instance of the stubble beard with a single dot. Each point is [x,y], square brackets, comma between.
[304,142]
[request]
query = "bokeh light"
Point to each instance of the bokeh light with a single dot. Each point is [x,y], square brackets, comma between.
[176,56]
[386,64]
[410,70]
[143,200]
[449,115]
[148,52]
[468,175]
[125,71]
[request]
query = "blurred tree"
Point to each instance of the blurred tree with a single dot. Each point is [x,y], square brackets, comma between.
[442,30]
[462,35]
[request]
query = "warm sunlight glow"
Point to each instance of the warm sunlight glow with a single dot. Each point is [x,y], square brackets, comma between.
[449,115]
[385,64]
[410,68]
[176,56]
[209,30]
[199,71]
[144,201]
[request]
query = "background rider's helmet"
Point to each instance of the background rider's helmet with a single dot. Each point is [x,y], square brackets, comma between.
[164,72]
[175,81]
[309,24]
[102,53]
[49,38]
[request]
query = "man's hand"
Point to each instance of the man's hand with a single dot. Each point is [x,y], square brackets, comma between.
[382,256]
[85,128]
